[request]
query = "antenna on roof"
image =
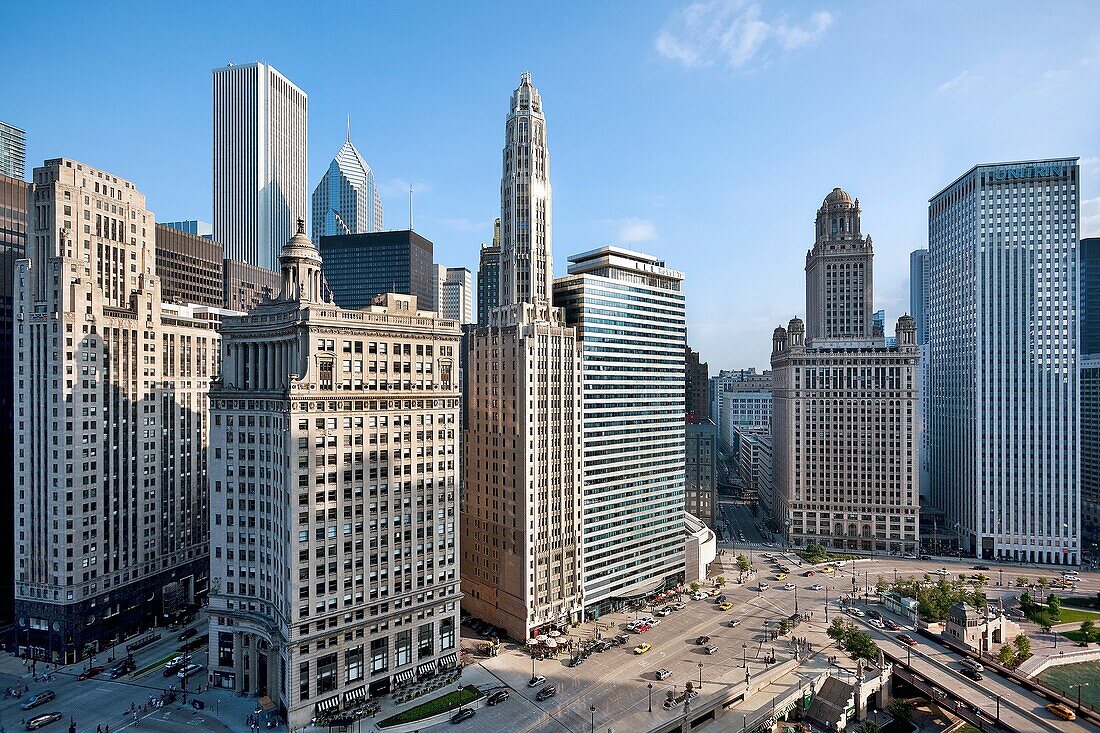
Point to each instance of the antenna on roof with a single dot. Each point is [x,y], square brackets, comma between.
[349,128]
[410,207]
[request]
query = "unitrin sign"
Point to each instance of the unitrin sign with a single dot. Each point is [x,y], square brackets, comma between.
[1032,170]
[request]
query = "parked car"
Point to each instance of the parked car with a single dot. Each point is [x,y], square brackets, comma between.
[679,606]
[906,639]
[546,693]
[41,721]
[664,612]
[980,567]
[789,586]
[909,556]
[698,596]
[576,661]
[463,714]
[662,674]
[702,639]
[809,574]
[853,611]
[924,557]
[720,599]
[497,697]
[642,648]
[190,669]
[536,681]
[1062,711]
[38,698]
[763,586]
[90,672]
[734,623]
[710,649]
[642,629]
[622,639]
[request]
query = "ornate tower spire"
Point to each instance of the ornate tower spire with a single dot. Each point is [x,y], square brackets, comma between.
[839,273]
[303,278]
[526,260]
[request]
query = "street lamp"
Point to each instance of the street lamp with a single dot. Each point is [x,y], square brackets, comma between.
[532,667]
[700,675]
[650,697]
[592,725]
[745,656]
[1079,686]
[826,604]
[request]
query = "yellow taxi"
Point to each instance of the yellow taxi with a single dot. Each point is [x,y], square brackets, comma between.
[1062,711]
[643,648]
[828,569]
[726,606]
[781,576]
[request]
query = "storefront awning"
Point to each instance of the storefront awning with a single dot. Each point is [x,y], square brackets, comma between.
[353,696]
[405,676]
[328,704]
[425,669]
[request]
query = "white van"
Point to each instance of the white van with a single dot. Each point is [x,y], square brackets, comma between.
[971,664]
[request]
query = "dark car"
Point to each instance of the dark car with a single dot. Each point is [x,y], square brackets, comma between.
[38,698]
[702,639]
[41,721]
[981,567]
[122,667]
[874,614]
[622,639]
[720,599]
[972,673]
[576,661]
[187,634]
[546,693]
[461,715]
[90,672]
[906,639]
[890,624]
[924,557]
[497,697]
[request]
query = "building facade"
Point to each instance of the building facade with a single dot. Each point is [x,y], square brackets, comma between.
[1089,354]
[13,152]
[845,427]
[14,205]
[696,385]
[190,268]
[1003,330]
[245,286]
[488,280]
[191,226]
[120,379]
[334,501]
[743,409]
[919,290]
[701,470]
[361,266]
[346,201]
[522,558]
[754,466]
[629,312]
[455,294]
[260,145]
[733,380]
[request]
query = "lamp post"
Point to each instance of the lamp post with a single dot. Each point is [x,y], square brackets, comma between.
[700,675]
[1000,577]
[532,666]
[745,656]
[796,599]
[826,604]
[592,722]
[650,697]
[1079,686]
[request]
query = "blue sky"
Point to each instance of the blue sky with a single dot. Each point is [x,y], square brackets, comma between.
[705,133]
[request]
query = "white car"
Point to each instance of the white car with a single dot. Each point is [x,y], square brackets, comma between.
[536,681]
[971,664]
[1071,577]
[734,623]
[909,556]
[763,586]
[853,611]
[789,586]
[698,596]
[816,586]
[663,674]
[664,612]
[943,571]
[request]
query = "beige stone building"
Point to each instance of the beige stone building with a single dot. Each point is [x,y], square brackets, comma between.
[845,423]
[110,422]
[334,497]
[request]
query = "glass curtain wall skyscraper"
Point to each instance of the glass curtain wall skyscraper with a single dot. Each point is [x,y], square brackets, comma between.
[346,201]
[629,312]
[1003,320]
[13,151]
[259,161]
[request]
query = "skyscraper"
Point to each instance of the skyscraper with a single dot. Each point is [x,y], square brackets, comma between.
[839,281]
[111,422]
[14,206]
[191,226]
[190,268]
[521,522]
[919,290]
[629,312]
[456,293]
[488,277]
[1003,319]
[346,201]
[260,120]
[13,151]
[1089,355]
[344,472]
[361,266]
[696,385]
[701,470]
[845,442]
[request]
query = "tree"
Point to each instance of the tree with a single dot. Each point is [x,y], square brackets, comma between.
[1023,646]
[743,564]
[720,580]
[689,686]
[868,726]
[881,586]
[1025,601]
[694,586]
[860,644]
[1042,583]
[1021,581]
[784,626]
[980,581]
[839,629]
[1086,631]
[815,553]
[901,709]
[1007,655]
[1055,606]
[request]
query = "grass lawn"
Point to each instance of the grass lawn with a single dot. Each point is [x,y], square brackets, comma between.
[1077,636]
[1066,616]
[442,704]
[158,663]
[820,557]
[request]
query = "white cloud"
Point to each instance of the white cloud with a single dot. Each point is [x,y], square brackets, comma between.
[734,32]
[963,80]
[630,230]
[1090,217]
[400,187]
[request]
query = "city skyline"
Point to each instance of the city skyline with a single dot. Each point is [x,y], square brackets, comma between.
[673,192]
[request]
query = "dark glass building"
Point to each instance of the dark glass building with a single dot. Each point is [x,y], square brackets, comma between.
[13,246]
[246,286]
[189,267]
[488,282]
[361,266]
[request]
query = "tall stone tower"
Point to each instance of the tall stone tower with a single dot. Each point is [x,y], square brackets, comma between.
[521,519]
[839,273]
[526,261]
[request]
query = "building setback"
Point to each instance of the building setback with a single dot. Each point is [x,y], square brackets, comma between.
[845,440]
[629,312]
[260,187]
[521,522]
[334,484]
[120,379]
[361,266]
[455,294]
[1003,320]
[14,202]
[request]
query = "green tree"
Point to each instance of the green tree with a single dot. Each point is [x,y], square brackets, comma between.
[1023,646]
[743,565]
[860,644]
[868,726]
[1021,581]
[694,586]
[1007,655]
[839,629]
[784,626]
[881,586]
[1042,583]
[1087,630]
[980,581]
[1025,601]
[1054,605]
[815,553]
[901,709]
[720,580]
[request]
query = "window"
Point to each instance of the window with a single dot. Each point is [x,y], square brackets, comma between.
[403,648]
[326,674]
[353,663]
[378,653]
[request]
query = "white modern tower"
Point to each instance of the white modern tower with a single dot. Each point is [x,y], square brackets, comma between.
[346,201]
[628,309]
[260,184]
[521,539]
[1003,322]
